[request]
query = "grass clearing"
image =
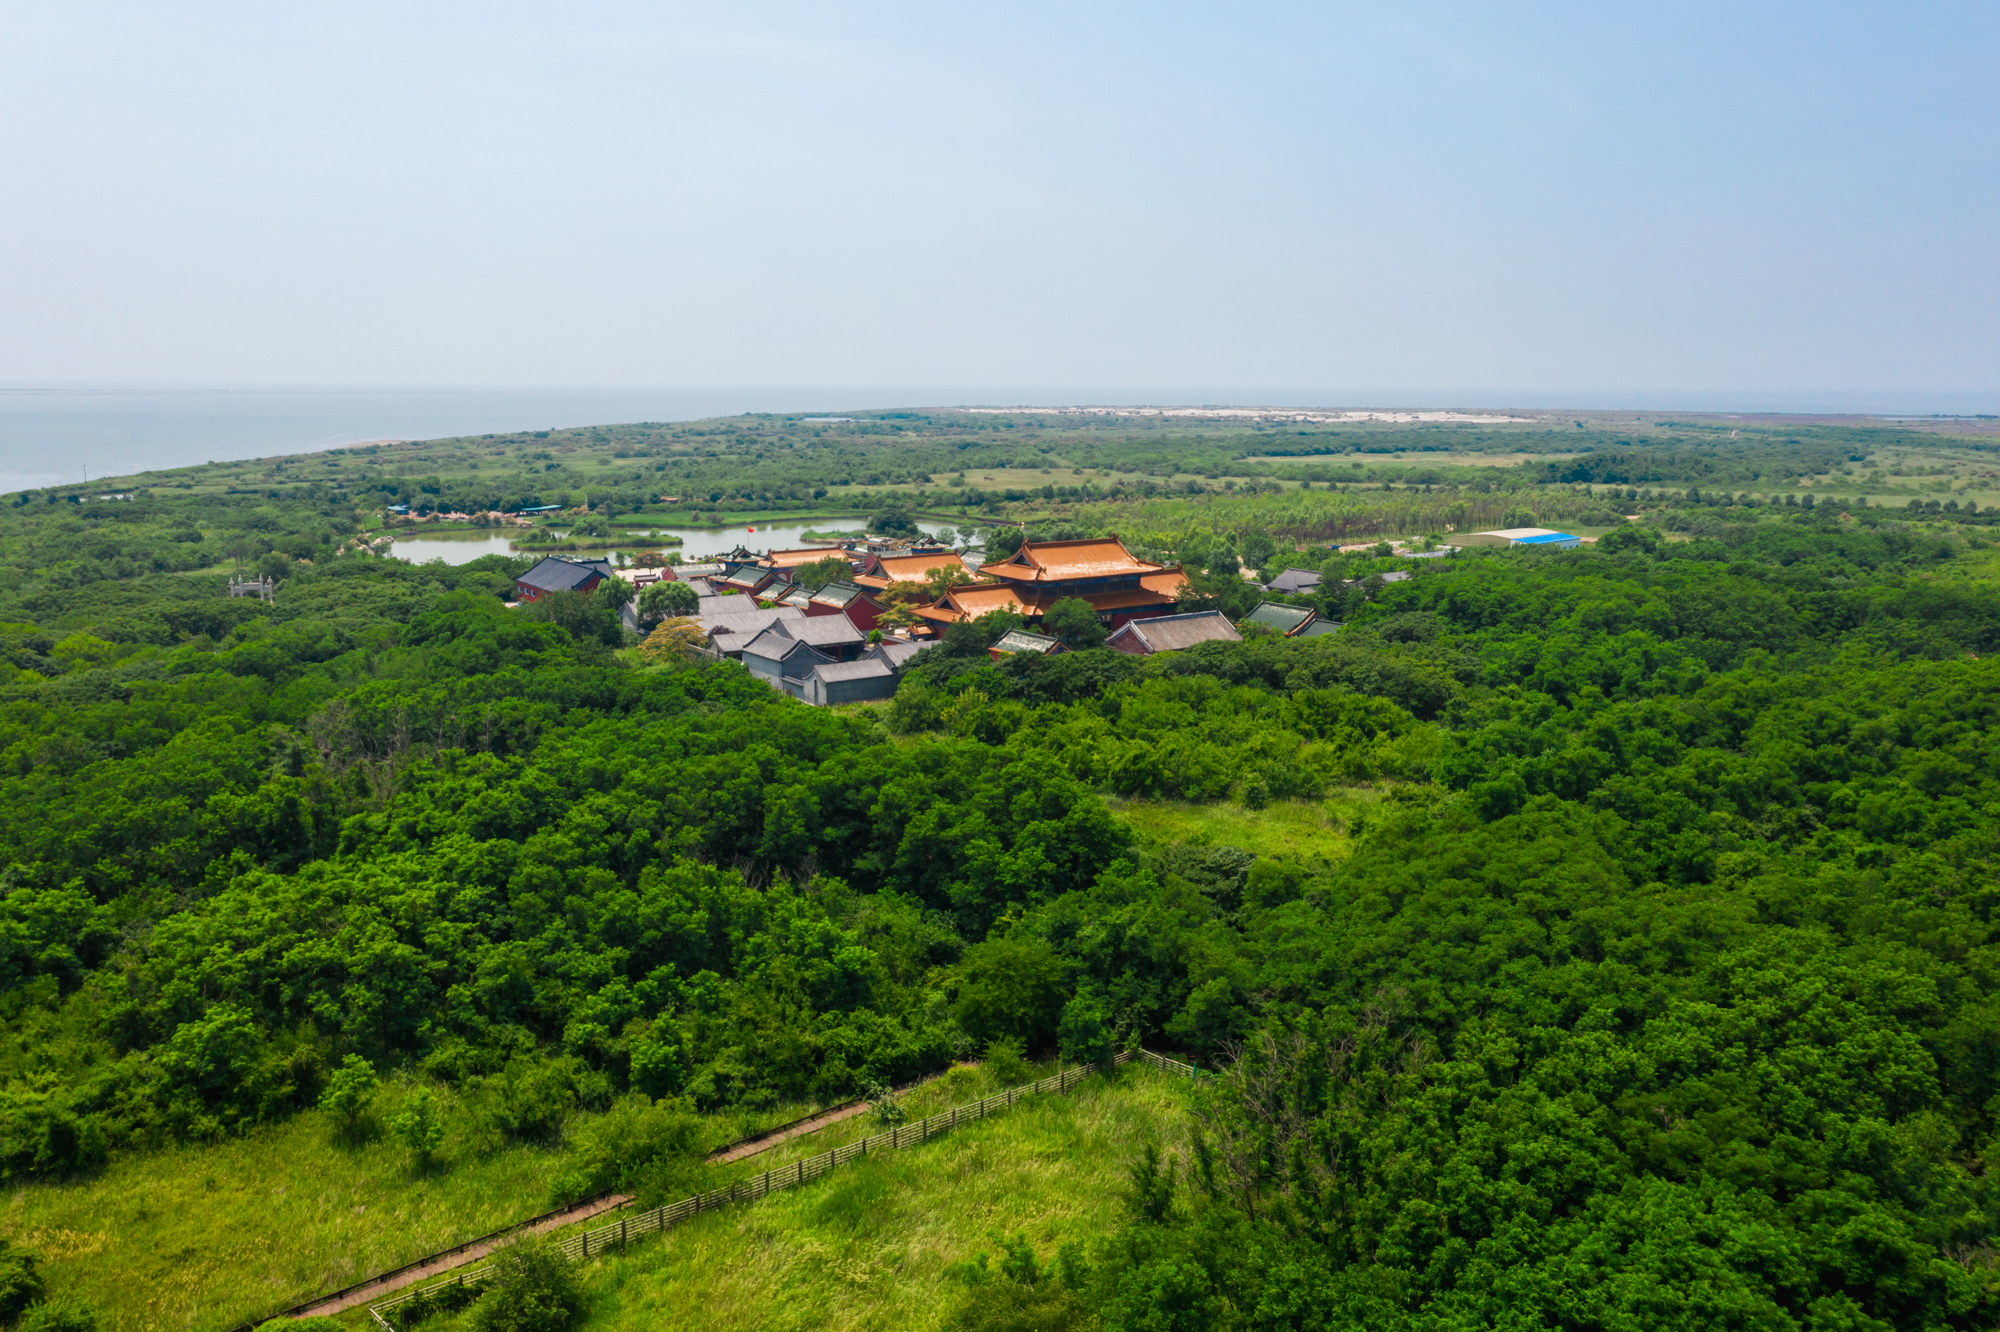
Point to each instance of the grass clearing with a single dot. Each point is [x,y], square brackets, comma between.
[867,1247]
[1453,458]
[202,1237]
[199,1238]
[1283,829]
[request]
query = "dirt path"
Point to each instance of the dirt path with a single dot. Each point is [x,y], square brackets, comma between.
[798,1130]
[813,1125]
[445,1262]
[390,1282]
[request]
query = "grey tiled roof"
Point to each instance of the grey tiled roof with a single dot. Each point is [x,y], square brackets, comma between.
[897,651]
[865,669]
[1170,633]
[1295,580]
[824,630]
[753,619]
[774,645]
[559,575]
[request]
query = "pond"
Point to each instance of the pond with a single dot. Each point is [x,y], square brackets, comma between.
[697,543]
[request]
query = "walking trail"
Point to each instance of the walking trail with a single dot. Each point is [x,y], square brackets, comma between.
[390,1282]
[444,1262]
[752,1146]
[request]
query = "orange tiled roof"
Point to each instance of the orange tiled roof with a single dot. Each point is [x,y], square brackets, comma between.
[978,600]
[1045,561]
[1106,601]
[916,568]
[792,559]
[981,599]
[974,600]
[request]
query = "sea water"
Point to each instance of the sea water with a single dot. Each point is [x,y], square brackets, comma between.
[66,437]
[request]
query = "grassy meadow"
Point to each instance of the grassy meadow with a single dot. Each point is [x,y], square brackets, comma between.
[1283,829]
[205,1236]
[869,1245]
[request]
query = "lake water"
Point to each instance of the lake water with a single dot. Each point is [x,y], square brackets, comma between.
[698,543]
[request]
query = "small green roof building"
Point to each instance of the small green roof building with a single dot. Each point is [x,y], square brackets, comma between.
[1285,621]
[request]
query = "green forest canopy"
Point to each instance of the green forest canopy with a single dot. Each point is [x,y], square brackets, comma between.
[1659,990]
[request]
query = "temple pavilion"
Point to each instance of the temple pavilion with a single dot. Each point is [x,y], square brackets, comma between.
[1119,586]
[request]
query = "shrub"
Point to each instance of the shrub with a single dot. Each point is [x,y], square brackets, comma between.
[534,1290]
[425,1305]
[882,1100]
[1006,1062]
[64,1313]
[20,1283]
[420,1127]
[531,1099]
[1018,1297]
[639,1146]
[1086,1031]
[1149,1186]
[349,1093]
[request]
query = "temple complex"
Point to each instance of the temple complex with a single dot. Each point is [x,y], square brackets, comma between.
[1119,586]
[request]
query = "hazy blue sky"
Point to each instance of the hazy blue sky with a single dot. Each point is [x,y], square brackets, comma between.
[1482,200]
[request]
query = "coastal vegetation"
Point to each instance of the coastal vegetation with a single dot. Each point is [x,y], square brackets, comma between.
[1579,938]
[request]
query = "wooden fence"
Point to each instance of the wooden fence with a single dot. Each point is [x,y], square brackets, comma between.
[586,1243]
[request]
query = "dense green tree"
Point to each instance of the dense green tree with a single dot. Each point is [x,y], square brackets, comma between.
[1011,987]
[664,600]
[814,576]
[590,617]
[1075,622]
[893,522]
[349,1092]
[1649,984]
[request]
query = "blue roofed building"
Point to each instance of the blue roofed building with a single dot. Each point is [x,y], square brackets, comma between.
[1521,536]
